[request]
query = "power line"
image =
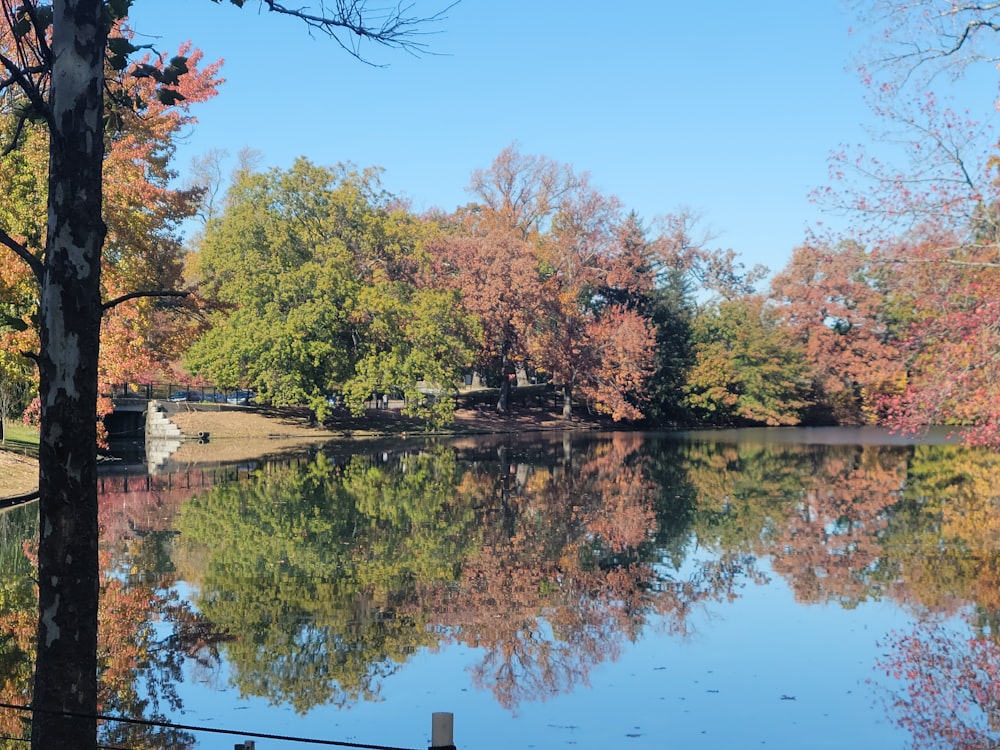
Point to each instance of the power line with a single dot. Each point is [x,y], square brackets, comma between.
[210,730]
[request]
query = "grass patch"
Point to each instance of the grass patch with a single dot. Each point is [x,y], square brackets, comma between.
[20,438]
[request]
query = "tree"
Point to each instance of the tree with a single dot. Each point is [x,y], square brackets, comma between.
[140,335]
[496,272]
[925,207]
[748,369]
[582,338]
[671,314]
[831,302]
[497,266]
[318,269]
[646,277]
[546,265]
[944,301]
[55,73]
[524,191]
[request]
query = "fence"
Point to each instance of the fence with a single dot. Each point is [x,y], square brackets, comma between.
[170,391]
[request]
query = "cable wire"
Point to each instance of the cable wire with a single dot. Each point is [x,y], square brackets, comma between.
[210,730]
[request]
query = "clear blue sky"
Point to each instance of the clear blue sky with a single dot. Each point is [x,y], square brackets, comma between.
[729,108]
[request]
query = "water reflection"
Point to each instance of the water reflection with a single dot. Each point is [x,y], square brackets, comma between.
[316,579]
[146,635]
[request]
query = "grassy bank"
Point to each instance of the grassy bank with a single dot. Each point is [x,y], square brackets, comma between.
[19,438]
[18,468]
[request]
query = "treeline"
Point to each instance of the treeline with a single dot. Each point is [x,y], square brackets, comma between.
[323,283]
[314,285]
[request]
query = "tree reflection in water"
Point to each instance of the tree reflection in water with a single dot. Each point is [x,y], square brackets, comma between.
[329,576]
[140,663]
[318,579]
[943,677]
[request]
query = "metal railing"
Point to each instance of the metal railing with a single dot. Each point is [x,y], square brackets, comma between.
[177,391]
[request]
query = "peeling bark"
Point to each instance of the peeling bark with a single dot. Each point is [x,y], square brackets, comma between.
[70,317]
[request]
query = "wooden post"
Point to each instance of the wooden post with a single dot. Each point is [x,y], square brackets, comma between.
[442,731]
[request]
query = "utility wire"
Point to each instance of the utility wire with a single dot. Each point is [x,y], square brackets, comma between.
[210,730]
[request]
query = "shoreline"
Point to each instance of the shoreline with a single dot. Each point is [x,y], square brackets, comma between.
[239,434]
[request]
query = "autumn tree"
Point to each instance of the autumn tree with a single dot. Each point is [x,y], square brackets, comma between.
[543,264]
[923,203]
[523,191]
[831,301]
[586,341]
[54,73]
[495,270]
[141,335]
[645,277]
[492,255]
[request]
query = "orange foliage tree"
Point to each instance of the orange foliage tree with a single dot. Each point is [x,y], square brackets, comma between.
[830,300]
[946,297]
[536,258]
[493,266]
[143,329]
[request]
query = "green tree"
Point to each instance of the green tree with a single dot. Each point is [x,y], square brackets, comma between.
[748,369]
[317,271]
[306,567]
[672,315]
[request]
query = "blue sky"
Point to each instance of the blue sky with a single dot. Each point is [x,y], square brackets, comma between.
[728,108]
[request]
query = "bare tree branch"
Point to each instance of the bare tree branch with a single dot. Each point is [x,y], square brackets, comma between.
[350,23]
[931,35]
[137,295]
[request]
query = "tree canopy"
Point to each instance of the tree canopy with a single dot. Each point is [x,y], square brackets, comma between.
[318,273]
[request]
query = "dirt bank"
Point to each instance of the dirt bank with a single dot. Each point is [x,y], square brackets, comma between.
[18,474]
[240,434]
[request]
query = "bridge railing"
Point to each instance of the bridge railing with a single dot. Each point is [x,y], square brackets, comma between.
[176,391]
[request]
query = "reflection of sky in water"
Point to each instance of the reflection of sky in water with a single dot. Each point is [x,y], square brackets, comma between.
[762,671]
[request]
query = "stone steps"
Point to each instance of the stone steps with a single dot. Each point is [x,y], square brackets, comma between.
[163,437]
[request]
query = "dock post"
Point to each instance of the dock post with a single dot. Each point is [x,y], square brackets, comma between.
[442,731]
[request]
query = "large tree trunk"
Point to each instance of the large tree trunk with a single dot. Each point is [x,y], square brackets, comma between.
[567,411]
[66,663]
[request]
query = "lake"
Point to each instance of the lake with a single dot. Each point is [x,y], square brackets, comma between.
[749,588]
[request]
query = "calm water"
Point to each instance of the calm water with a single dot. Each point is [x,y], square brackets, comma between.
[779,589]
